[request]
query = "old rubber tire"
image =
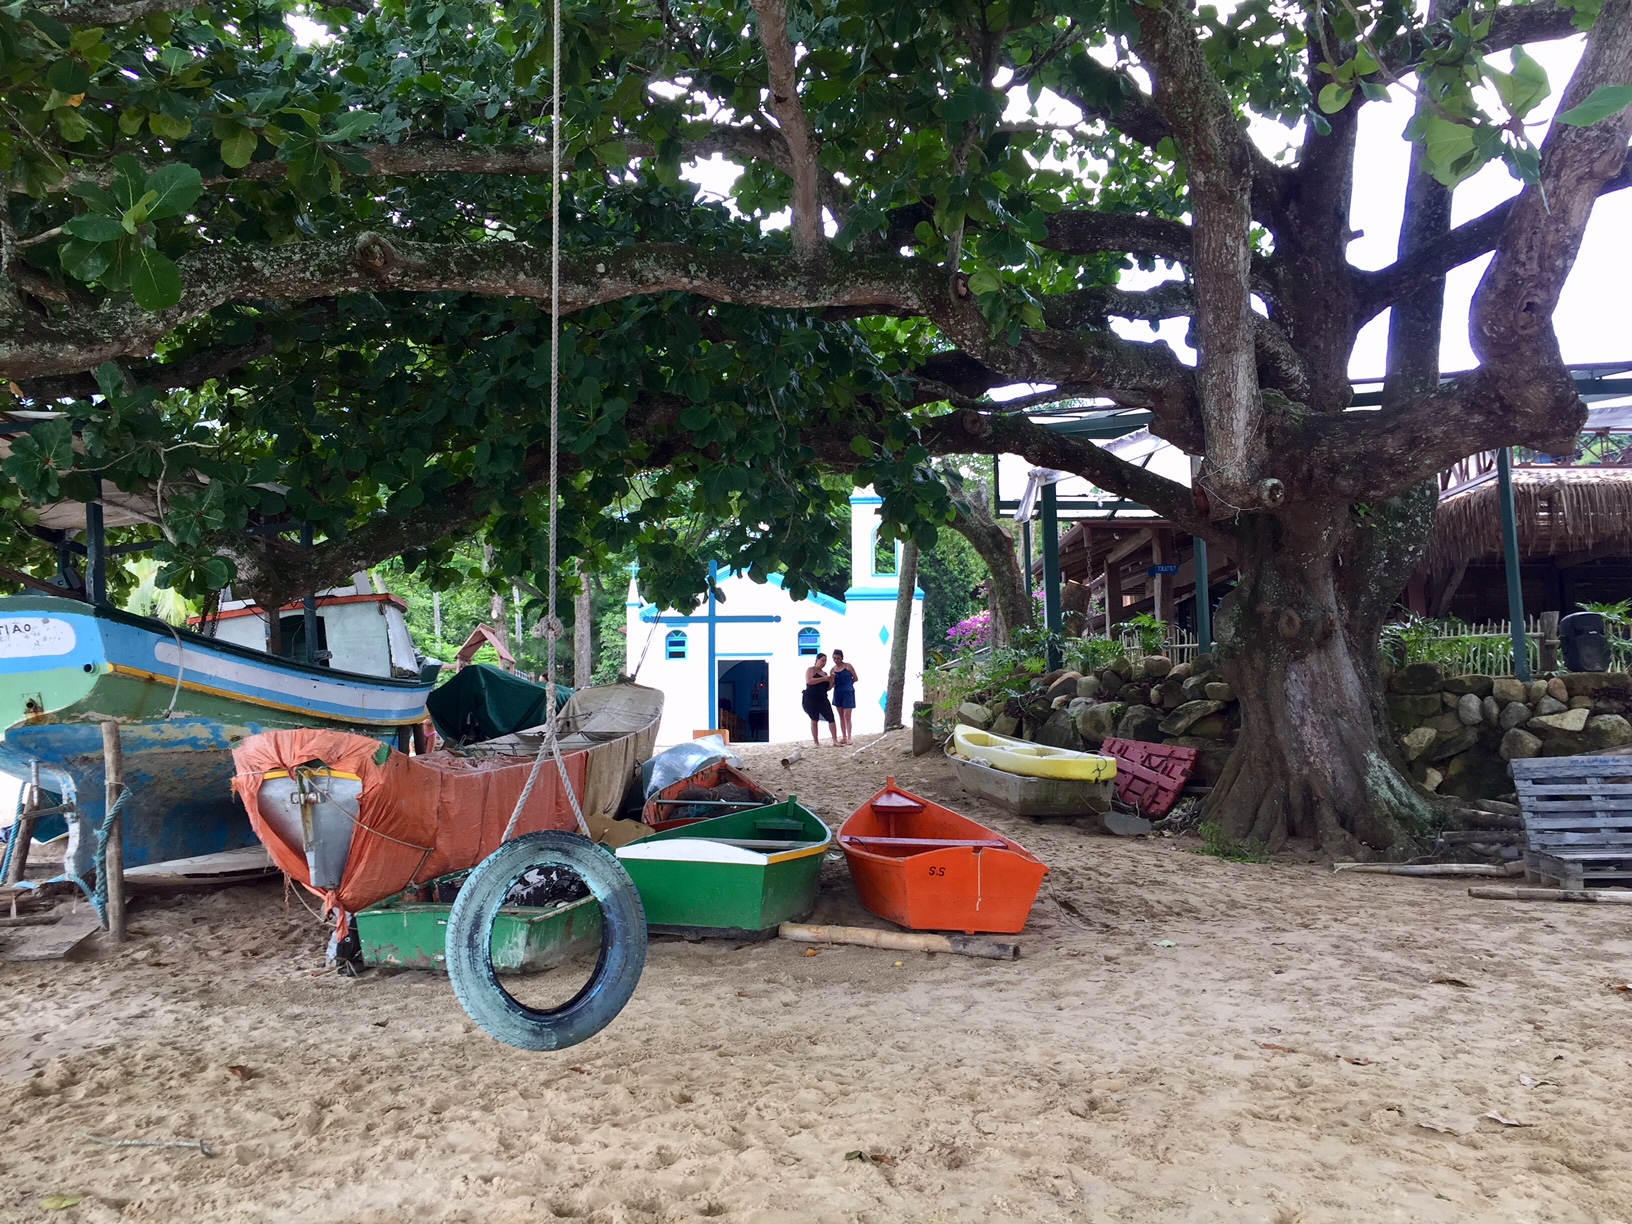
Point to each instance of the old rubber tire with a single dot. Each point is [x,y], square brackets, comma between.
[470,933]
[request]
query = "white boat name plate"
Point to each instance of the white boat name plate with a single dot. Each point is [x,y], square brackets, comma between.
[25,637]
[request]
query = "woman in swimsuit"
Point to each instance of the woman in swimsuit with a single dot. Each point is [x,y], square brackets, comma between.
[844,695]
[817,707]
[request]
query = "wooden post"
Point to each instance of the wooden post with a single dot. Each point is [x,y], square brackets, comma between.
[1051,575]
[23,832]
[1510,555]
[1549,641]
[113,861]
[1204,597]
[1113,592]
[1161,589]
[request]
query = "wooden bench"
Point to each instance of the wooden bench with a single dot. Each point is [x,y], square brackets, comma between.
[1577,819]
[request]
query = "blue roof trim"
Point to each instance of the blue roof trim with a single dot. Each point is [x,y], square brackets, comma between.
[857,499]
[816,597]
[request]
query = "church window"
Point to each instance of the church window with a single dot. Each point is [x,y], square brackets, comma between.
[675,644]
[884,555]
[810,641]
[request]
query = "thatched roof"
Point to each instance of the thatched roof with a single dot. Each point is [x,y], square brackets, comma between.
[1560,511]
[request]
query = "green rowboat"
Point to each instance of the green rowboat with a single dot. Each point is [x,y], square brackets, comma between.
[740,875]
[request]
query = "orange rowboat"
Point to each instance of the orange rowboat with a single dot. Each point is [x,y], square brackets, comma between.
[924,867]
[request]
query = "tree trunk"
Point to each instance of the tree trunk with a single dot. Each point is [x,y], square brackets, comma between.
[583,653]
[1011,607]
[907,586]
[1297,641]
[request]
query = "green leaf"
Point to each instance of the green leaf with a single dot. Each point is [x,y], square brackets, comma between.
[1601,103]
[1522,89]
[94,227]
[1334,97]
[84,260]
[984,280]
[72,125]
[862,446]
[97,198]
[353,124]
[1445,144]
[238,146]
[169,127]
[175,188]
[696,417]
[155,282]
[68,76]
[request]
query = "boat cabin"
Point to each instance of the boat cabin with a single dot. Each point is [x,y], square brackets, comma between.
[359,629]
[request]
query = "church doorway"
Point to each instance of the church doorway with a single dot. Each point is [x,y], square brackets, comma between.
[744,696]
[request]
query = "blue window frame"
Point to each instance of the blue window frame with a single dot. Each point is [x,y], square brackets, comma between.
[810,641]
[674,646]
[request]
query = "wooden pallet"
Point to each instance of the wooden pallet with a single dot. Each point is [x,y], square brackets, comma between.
[1577,819]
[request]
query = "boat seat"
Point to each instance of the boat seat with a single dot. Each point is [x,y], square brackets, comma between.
[927,843]
[894,801]
[761,843]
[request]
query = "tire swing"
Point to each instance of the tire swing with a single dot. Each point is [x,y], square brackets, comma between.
[623,917]
[470,942]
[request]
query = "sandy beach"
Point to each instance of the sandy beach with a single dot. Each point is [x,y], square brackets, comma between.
[1183,1039]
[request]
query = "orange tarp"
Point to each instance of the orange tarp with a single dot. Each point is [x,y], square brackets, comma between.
[418,817]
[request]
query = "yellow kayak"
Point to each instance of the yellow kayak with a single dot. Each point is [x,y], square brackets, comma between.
[1017,756]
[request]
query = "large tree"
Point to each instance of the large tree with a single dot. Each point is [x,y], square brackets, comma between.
[312,274]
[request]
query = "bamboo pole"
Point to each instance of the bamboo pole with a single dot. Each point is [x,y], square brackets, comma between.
[1433,869]
[113,859]
[23,832]
[901,941]
[1611,896]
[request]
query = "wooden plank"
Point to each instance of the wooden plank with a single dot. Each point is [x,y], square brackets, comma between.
[1609,841]
[926,843]
[1499,892]
[56,941]
[1584,822]
[1574,766]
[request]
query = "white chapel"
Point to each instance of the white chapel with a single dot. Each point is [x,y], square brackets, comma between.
[738,663]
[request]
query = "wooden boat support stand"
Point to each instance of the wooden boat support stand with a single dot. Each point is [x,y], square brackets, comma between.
[901,941]
[113,848]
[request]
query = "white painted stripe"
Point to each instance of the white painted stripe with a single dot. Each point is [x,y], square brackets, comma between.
[337,694]
[691,850]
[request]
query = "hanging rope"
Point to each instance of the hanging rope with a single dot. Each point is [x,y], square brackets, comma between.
[552,623]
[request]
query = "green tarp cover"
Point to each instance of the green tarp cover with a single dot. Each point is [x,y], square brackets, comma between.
[483,702]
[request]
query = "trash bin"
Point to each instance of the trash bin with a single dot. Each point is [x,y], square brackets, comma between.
[1586,648]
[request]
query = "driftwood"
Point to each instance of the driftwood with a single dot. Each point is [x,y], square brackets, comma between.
[1611,896]
[901,941]
[1465,837]
[1433,869]
[793,758]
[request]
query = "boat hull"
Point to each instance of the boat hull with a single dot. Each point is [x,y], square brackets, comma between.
[664,809]
[183,703]
[931,869]
[1035,797]
[1030,760]
[693,879]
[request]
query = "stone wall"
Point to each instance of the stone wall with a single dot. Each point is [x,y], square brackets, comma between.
[1457,732]
[1188,704]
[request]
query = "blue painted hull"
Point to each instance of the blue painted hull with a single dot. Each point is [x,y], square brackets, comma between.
[182,701]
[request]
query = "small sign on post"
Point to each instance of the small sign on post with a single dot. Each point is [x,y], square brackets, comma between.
[1153,570]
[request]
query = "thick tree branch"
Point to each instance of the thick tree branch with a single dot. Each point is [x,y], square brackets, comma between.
[1464,244]
[1522,391]
[1137,374]
[1219,158]
[808,237]
[975,433]
[113,12]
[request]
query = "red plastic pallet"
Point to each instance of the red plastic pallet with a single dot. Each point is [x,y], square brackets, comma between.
[1150,777]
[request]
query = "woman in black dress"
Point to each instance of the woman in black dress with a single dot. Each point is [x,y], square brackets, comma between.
[815,701]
